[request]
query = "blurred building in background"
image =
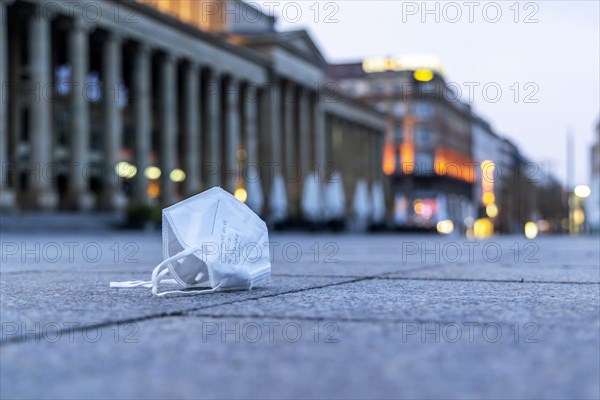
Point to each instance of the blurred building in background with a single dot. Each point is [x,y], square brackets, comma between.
[593,201]
[511,190]
[428,143]
[447,168]
[107,104]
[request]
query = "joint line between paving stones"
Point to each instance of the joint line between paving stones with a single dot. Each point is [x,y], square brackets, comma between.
[406,278]
[338,319]
[354,280]
[181,313]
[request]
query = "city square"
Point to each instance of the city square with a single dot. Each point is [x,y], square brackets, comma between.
[344,316]
[235,199]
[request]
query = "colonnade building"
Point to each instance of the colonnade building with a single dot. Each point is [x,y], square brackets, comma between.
[107,104]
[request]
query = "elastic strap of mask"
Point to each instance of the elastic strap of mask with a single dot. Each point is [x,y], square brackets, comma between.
[162,268]
[192,292]
[146,284]
[157,274]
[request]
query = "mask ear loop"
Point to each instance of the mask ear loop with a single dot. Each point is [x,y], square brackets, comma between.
[192,292]
[147,284]
[158,274]
[162,269]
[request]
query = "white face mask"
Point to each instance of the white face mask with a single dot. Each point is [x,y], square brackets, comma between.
[210,240]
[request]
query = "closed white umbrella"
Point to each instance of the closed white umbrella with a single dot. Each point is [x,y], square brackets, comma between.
[255,195]
[335,198]
[279,201]
[362,205]
[378,196]
[312,202]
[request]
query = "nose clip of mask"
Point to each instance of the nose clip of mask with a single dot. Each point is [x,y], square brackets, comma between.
[210,241]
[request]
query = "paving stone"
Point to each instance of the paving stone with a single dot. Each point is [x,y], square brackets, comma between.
[394,303]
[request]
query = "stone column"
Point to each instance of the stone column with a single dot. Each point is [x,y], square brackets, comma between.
[142,76]
[15,105]
[251,114]
[305,134]
[276,158]
[289,100]
[379,142]
[275,125]
[168,127]
[112,197]
[232,130]
[213,165]
[319,145]
[290,164]
[40,125]
[192,117]
[319,134]
[79,196]
[252,170]
[7,199]
[369,149]
[376,153]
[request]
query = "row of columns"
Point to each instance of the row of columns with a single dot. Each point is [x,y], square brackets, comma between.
[357,139]
[293,118]
[298,136]
[40,134]
[41,190]
[80,121]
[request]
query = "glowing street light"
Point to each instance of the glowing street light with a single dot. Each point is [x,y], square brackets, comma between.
[125,170]
[582,191]
[177,175]
[483,228]
[423,75]
[445,227]
[241,194]
[531,230]
[152,173]
[492,211]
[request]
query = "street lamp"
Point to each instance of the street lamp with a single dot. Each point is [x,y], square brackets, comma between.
[582,191]
[576,209]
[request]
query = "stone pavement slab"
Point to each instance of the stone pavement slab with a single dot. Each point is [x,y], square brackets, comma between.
[392,316]
[196,357]
[441,301]
[80,299]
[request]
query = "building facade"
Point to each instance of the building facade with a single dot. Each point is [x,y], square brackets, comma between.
[491,165]
[428,143]
[593,201]
[107,104]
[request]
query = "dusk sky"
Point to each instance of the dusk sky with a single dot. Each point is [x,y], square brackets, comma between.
[557,51]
